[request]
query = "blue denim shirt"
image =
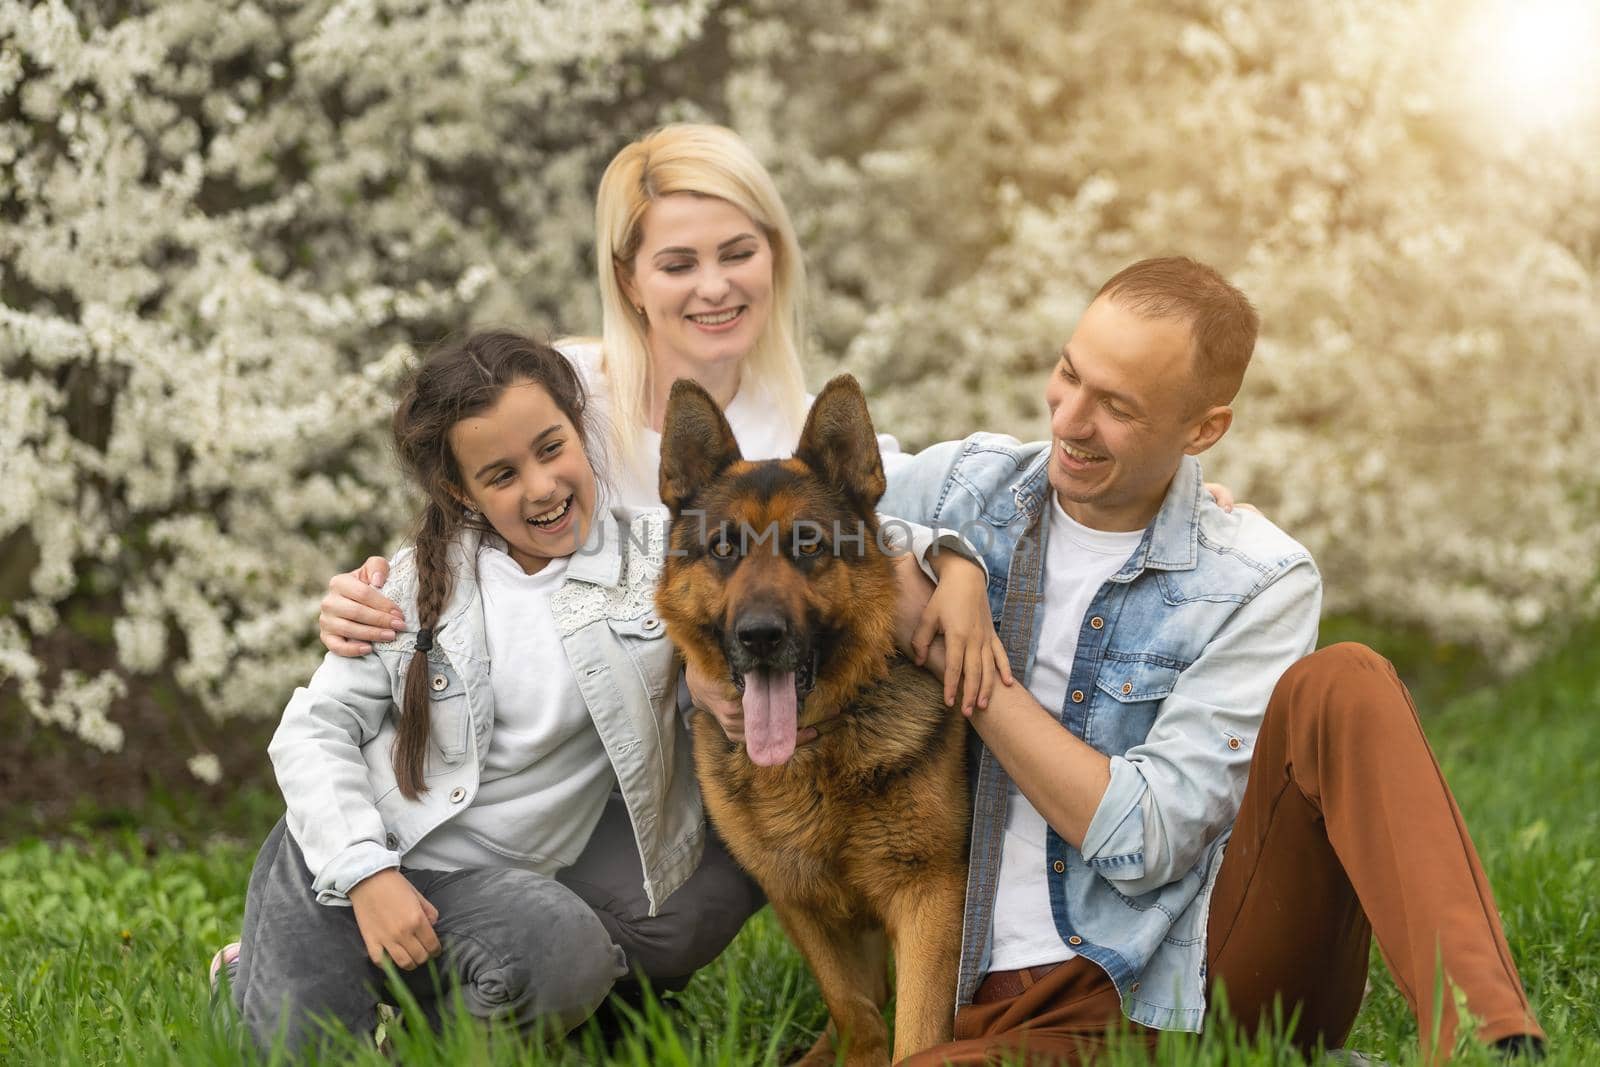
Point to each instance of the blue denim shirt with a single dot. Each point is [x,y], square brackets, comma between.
[1177,656]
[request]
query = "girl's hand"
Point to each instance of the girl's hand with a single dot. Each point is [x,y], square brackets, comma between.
[395,919]
[958,608]
[354,613]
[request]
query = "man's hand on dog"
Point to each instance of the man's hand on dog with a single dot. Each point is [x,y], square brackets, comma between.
[948,628]
[721,699]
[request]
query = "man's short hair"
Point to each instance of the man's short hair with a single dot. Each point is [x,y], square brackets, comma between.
[1220,317]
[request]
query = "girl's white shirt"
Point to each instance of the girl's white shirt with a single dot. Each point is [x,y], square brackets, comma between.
[545,776]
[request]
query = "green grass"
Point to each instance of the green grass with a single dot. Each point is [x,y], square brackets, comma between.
[104,941]
[105,953]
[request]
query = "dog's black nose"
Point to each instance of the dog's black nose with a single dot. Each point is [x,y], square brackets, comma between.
[761,632]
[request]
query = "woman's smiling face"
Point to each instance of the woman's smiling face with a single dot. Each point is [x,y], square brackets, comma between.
[523,465]
[703,275]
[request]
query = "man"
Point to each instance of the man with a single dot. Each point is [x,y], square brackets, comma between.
[1180,797]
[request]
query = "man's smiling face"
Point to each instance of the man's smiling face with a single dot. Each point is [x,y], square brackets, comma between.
[1124,409]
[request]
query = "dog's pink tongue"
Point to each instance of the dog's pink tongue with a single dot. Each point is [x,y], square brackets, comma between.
[770,717]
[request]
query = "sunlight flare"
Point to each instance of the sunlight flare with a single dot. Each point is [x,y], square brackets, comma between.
[1537,62]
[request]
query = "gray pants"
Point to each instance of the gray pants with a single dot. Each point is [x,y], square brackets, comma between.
[516,945]
[692,926]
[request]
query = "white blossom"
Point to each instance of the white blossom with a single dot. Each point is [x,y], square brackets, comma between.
[206,767]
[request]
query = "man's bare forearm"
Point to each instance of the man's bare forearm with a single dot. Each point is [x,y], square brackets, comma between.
[1062,776]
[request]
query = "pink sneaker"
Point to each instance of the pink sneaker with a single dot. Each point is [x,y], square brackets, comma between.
[227,956]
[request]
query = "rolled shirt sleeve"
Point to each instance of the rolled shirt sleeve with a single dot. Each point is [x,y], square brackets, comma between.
[889,452]
[908,508]
[1173,793]
[916,481]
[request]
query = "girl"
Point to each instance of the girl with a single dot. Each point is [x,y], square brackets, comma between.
[437,785]
[504,788]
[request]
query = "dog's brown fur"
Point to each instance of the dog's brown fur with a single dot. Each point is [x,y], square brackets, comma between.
[862,833]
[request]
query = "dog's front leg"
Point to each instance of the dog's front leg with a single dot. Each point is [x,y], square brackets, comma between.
[925,927]
[850,963]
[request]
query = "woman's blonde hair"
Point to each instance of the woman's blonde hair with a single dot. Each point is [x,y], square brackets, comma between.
[706,161]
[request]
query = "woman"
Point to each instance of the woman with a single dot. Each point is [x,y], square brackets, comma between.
[700,277]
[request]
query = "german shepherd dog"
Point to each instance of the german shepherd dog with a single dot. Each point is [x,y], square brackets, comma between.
[775,579]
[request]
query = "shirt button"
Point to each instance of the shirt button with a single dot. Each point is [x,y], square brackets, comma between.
[1077,696]
[1134,988]
[439,682]
[1127,687]
[1233,743]
[1074,940]
[1097,622]
[457,795]
[652,623]
[1058,867]
[391,842]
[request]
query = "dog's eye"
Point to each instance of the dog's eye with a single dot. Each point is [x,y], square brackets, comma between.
[723,548]
[808,549]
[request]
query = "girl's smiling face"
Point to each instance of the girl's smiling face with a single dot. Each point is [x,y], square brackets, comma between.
[523,465]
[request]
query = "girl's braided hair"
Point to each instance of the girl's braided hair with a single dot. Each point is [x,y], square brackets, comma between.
[458,380]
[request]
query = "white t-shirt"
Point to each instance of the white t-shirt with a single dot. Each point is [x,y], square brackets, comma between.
[546,776]
[1077,562]
[760,428]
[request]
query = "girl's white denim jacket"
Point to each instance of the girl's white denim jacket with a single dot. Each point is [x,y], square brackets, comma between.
[332,751]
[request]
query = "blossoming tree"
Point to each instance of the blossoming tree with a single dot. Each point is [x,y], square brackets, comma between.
[225,228]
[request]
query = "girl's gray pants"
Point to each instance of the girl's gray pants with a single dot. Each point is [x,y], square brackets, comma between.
[516,945]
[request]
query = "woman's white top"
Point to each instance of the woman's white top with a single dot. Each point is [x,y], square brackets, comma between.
[753,415]
[546,777]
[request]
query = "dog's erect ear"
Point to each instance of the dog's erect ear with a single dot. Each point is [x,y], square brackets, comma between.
[696,444]
[839,444]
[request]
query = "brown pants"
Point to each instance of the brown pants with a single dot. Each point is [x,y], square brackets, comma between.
[1347,829]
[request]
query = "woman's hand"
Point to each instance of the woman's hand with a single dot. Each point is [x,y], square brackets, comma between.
[354,613]
[721,700]
[717,697]
[395,919]
[958,609]
[1224,498]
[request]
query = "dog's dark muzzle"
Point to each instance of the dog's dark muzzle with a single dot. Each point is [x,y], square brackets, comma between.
[763,639]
